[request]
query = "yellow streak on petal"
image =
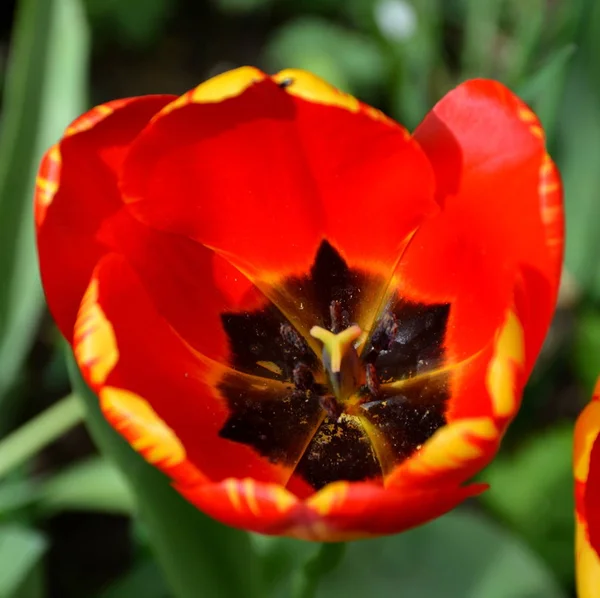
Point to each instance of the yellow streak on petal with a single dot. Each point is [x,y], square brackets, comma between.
[587,429]
[147,433]
[587,564]
[284,500]
[233,493]
[224,86]
[527,115]
[326,499]
[501,376]
[249,489]
[88,120]
[537,132]
[529,118]
[547,167]
[47,183]
[454,445]
[94,342]
[549,187]
[309,87]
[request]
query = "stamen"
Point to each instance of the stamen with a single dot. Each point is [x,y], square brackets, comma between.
[339,317]
[292,338]
[385,333]
[302,377]
[333,409]
[372,380]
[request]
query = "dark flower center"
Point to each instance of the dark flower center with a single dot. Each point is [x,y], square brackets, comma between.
[366,403]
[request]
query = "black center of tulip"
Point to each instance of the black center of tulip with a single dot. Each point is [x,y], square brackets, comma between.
[286,404]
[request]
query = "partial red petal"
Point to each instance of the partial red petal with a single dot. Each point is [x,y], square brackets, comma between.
[76,191]
[592,497]
[244,503]
[341,511]
[123,344]
[346,511]
[190,286]
[501,220]
[264,174]
[586,467]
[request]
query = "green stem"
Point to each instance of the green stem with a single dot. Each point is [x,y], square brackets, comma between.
[325,560]
[37,433]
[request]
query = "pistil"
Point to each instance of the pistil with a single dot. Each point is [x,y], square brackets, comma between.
[340,359]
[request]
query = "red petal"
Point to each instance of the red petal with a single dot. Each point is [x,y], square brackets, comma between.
[586,468]
[501,220]
[345,511]
[126,346]
[262,175]
[190,286]
[341,511]
[592,497]
[76,190]
[243,503]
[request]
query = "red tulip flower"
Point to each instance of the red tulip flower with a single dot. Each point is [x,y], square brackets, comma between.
[587,498]
[315,323]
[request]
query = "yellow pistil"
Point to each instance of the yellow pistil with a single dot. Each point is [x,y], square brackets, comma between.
[336,345]
[340,359]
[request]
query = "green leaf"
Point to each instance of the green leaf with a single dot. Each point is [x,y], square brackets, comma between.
[242,6]
[579,132]
[544,89]
[418,59]
[325,559]
[461,555]
[279,558]
[586,350]
[15,495]
[343,57]
[33,436]
[21,549]
[529,20]
[92,485]
[143,580]
[481,32]
[532,491]
[44,91]
[134,22]
[199,556]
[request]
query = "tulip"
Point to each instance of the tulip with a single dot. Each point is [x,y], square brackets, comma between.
[314,322]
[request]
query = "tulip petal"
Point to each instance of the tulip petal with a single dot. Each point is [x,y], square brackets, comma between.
[281,160]
[586,465]
[153,388]
[501,222]
[76,190]
[341,511]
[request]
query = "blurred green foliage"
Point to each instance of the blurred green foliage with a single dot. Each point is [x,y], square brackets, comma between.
[400,55]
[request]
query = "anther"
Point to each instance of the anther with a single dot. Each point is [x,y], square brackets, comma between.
[302,377]
[292,338]
[333,409]
[372,380]
[339,317]
[385,333]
